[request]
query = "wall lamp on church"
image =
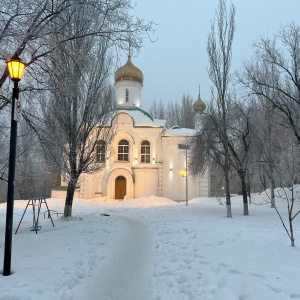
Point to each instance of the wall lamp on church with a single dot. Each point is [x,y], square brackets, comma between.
[183,173]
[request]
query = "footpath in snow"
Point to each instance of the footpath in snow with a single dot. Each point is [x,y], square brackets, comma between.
[128,273]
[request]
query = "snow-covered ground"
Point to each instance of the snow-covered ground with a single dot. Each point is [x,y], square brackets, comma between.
[152,248]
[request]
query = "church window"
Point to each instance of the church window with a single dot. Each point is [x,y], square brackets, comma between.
[127,95]
[145,152]
[123,150]
[100,151]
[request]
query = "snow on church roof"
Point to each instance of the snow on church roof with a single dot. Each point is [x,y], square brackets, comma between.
[141,117]
[178,131]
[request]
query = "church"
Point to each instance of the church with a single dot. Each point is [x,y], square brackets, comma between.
[147,158]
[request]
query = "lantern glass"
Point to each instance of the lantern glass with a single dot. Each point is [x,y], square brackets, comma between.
[182,173]
[16,68]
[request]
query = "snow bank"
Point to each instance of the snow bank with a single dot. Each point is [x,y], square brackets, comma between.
[281,194]
[146,202]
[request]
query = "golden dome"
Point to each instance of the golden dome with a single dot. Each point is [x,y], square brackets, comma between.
[129,72]
[199,105]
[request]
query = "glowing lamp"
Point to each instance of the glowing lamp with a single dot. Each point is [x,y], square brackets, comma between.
[16,68]
[183,173]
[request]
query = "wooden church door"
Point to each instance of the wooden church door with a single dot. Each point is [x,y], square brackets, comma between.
[120,187]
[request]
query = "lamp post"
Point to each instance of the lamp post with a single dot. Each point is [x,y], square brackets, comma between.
[184,173]
[15,68]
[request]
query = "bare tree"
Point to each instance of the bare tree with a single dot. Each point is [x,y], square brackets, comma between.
[35,175]
[42,32]
[208,145]
[157,110]
[268,131]
[287,171]
[219,48]
[35,28]
[187,112]
[240,129]
[274,74]
[175,114]
[78,108]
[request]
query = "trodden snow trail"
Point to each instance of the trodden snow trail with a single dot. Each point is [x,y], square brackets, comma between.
[128,273]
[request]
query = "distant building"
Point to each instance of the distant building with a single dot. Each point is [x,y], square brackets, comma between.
[146,159]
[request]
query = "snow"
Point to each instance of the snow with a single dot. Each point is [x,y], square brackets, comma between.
[174,131]
[153,248]
[142,119]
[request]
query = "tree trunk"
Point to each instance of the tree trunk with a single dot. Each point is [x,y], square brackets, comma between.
[290,209]
[70,196]
[226,166]
[249,190]
[227,190]
[272,191]
[244,191]
[292,233]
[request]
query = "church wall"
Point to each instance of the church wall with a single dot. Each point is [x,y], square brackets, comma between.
[145,182]
[173,183]
[174,160]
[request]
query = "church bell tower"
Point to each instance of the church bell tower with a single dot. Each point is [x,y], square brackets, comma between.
[128,84]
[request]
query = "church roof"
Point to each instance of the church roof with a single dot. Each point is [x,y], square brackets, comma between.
[141,117]
[129,72]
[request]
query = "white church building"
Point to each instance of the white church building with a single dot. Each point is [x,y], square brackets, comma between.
[146,159]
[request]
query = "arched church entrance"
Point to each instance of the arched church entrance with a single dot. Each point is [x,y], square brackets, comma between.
[120,187]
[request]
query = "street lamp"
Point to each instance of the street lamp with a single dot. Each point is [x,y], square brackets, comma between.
[16,69]
[184,173]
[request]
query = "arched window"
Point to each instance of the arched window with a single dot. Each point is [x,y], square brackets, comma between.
[100,151]
[145,152]
[123,150]
[127,95]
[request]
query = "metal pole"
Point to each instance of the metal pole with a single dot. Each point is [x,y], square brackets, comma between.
[186,178]
[11,183]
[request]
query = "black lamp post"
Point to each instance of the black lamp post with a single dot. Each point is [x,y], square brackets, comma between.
[16,69]
[184,173]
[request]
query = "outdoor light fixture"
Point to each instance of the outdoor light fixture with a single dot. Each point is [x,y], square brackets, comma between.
[16,69]
[184,173]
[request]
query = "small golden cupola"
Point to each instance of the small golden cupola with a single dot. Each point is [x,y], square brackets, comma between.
[129,72]
[199,106]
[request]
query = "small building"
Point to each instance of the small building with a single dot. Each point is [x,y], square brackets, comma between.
[145,159]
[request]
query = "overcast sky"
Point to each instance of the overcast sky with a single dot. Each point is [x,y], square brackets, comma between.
[177,62]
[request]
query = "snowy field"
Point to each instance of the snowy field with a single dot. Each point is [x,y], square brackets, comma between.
[152,248]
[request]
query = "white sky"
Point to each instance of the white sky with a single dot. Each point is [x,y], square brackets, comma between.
[177,63]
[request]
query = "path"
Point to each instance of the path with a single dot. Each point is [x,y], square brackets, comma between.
[128,274]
